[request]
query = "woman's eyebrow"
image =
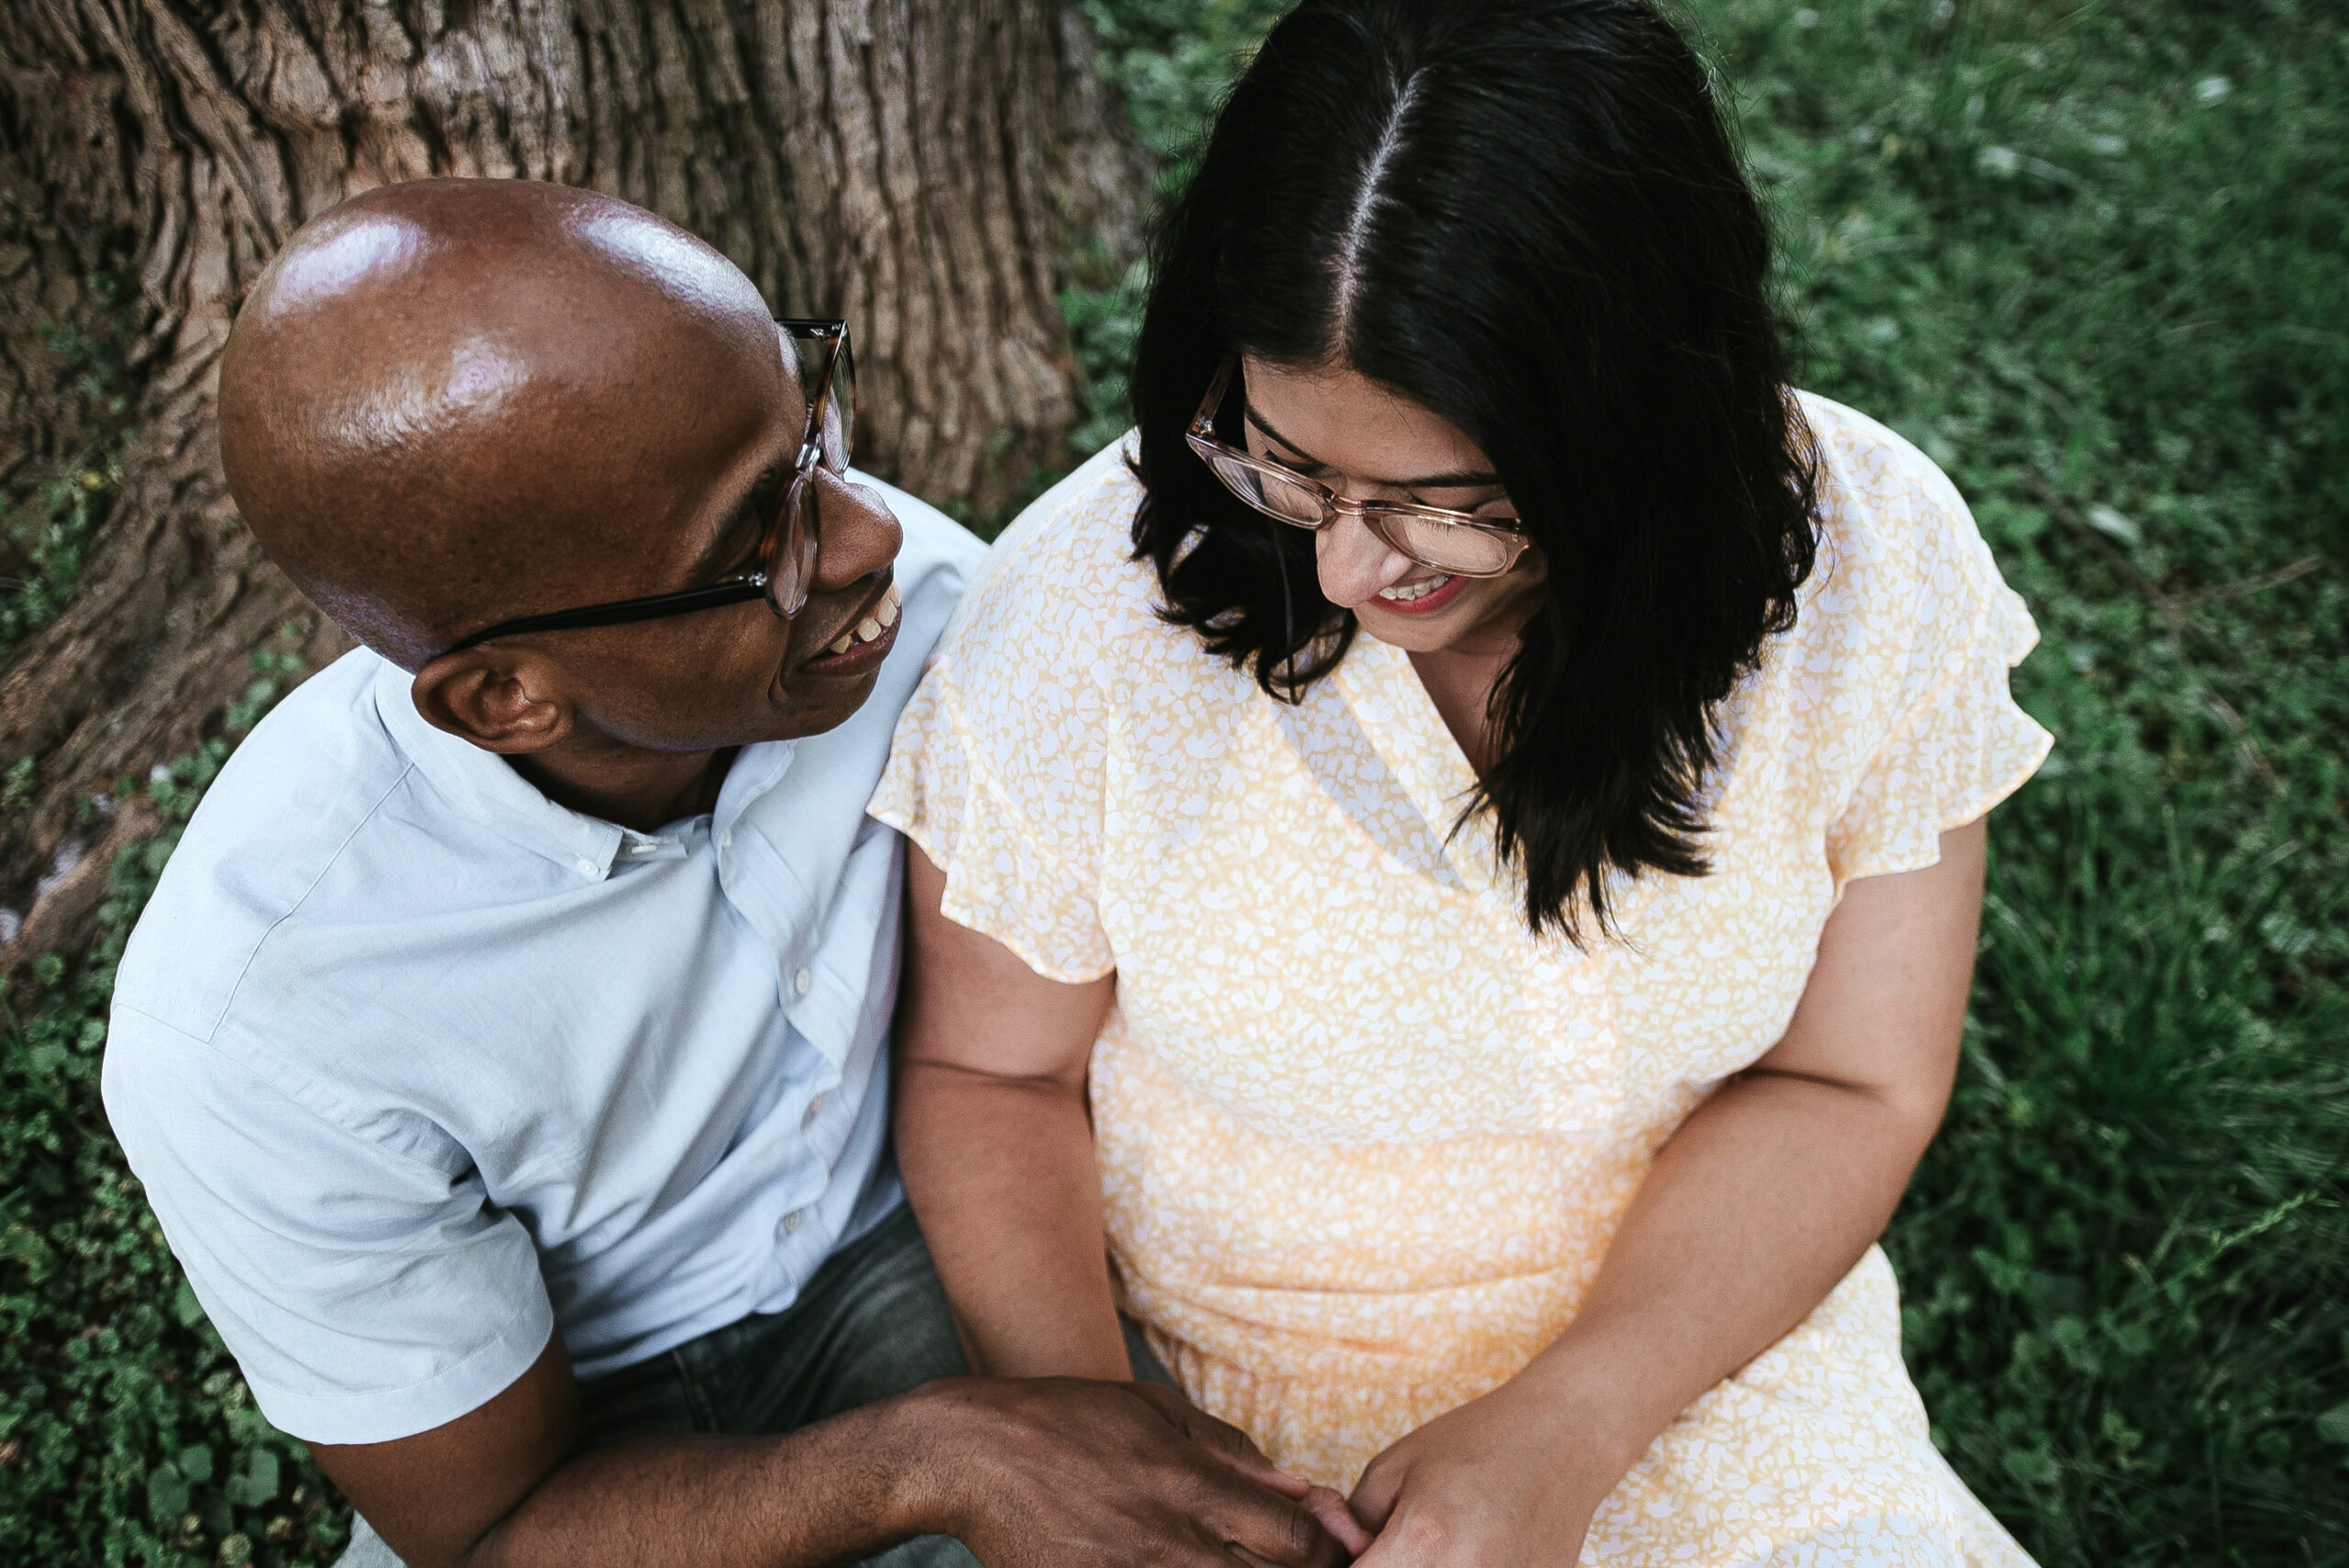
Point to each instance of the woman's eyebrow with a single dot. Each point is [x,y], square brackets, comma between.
[1431,482]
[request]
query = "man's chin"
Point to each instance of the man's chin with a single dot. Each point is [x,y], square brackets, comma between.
[803,707]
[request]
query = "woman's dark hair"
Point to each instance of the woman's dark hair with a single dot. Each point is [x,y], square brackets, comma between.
[1528,217]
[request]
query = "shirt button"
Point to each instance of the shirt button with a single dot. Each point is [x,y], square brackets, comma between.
[726,839]
[813,1107]
[791,1221]
[801,981]
[588,867]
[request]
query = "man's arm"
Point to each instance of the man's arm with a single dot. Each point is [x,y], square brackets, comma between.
[1054,1473]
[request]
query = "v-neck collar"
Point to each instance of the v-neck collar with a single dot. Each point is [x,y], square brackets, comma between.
[1390,703]
[1404,726]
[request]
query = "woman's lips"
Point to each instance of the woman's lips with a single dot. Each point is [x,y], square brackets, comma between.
[1426,605]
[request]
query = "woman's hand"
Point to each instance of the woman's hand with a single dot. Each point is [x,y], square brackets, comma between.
[1512,1478]
[1760,1202]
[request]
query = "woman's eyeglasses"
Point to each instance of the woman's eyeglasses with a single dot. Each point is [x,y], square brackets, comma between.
[782,567]
[1461,543]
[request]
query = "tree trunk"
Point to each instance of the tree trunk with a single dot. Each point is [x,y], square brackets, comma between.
[918,166]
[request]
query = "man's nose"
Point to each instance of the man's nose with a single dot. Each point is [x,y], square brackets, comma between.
[1354,563]
[856,534]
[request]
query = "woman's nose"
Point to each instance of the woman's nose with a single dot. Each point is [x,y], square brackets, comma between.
[1354,563]
[856,534]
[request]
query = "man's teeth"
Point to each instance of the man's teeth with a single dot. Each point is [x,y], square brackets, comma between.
[1404,593]
[884,616]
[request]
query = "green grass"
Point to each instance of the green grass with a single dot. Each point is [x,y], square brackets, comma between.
[2095,260]
[125,1435]
[2109,294]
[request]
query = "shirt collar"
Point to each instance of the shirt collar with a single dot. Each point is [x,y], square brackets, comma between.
[486,788]
[756,770]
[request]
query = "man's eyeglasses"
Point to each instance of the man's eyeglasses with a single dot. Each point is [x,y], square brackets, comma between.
[784,566]
[1461,544]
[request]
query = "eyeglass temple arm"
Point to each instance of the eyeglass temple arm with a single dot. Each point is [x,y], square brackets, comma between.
[1210,405]
[835,333]
[657,607]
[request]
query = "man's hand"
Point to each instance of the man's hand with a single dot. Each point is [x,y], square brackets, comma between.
[1233,1448]
[1063,1473]
[1504,1479]
[1055,1472]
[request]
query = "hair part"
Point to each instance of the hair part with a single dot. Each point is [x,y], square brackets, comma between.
[1347,264]
[1528,217]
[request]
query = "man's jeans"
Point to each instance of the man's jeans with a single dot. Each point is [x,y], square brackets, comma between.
[871,1323]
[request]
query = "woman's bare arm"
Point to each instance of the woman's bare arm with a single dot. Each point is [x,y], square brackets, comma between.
[1754,1209]
[1774,1186]
[997,1148]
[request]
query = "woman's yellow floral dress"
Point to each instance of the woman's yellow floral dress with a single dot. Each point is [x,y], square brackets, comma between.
[1362,1139]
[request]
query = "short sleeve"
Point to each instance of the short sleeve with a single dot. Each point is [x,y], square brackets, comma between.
[367,1295]
[1000,762]
[1954,742]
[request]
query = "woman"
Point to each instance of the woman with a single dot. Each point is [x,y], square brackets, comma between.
[1484,812]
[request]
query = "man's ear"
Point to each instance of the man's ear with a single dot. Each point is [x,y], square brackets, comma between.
[509,701]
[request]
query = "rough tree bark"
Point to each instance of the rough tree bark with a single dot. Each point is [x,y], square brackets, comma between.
[918,166]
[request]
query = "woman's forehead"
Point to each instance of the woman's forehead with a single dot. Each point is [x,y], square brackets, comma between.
[1344,420]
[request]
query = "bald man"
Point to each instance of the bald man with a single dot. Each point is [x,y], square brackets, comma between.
[505,1050]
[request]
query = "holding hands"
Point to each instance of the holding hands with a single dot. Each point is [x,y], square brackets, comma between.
[1070,1472]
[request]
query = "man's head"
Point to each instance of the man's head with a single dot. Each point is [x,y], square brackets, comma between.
[453,403]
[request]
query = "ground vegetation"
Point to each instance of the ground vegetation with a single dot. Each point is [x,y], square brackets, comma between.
[2094,259]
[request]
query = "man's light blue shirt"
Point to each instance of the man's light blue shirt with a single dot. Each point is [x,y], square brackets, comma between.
[416,1065]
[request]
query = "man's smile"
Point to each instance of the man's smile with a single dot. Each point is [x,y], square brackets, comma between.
[864,639]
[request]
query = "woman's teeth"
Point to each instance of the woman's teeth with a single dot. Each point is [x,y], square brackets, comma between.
[1404,593]
[884,616]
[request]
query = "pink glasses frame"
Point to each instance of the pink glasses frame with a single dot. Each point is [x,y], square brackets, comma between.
[1376,516]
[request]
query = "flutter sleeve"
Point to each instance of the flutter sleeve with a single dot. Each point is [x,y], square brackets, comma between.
[1952,743]
[999,766]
